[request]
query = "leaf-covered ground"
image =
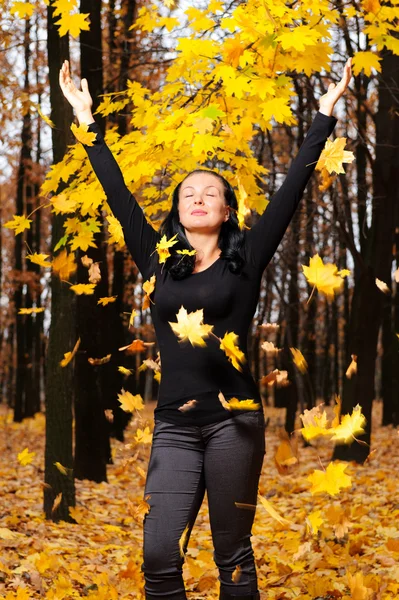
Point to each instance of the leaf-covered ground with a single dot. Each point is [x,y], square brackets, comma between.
[355,555]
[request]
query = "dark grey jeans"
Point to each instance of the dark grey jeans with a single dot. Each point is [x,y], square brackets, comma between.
[225,459]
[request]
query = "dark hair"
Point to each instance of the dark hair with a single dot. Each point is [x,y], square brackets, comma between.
[230,240]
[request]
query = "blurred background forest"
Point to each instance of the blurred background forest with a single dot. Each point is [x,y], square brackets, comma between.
[350,219]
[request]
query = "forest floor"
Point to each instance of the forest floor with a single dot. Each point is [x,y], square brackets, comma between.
[355,554]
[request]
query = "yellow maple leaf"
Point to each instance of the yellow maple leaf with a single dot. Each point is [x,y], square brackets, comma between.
[333,156]
[83,240]
[272,511]
[83,288]
[19,223]
[326,278]
[25,457]
[115,232]
[315,423]
[314,521]
[125,371]
[162,247]
[236,404]
[332,480]
[83,135]
[106,300]
[64,264]
[68,356]
[349,426]
[133,314]
[190,326]
[143,436]
[233,353]
[73,24]
[129,402]
[299,360]
[39,259]
[24,10]
[64,470]
[63,204]
[188,252]
[44,117]
[148,287]
[366,60]
[30,311]
[183,540]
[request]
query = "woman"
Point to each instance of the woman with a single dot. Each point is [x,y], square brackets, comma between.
[197,443]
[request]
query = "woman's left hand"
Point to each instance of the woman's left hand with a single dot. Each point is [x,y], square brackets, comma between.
[334,93]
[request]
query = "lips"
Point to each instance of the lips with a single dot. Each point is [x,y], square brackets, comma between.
[198,212]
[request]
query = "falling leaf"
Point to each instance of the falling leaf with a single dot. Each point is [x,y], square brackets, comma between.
[100,361]
[46,119]
[25,457]
[350,426]
[31,311]
[382,286]
[333,156]
[64,264]
[83,288]
[270,348]
[62,469]
[326,278]
[148,287]
[143,436]
[286,454]
[272,511]
[57,502]
[236,574]
[188,405]
[68,356]
[313,521]
[133,314]
[83,135]
[125,371]
[39,259]
[299,360]
[19,223]
[233,353]
[24,10]
[280,378]
[189,327]
[109,415]
[331,481]
[129,403]
[106,300]
[162,247]
[183,540]
[136,346]
[352,369]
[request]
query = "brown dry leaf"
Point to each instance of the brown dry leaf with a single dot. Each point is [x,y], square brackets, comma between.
[100,361]
[270,348]
[57,502]
[86,261]
[136,346]
[188,405]
[352,369]
[236,574]
[286,455]
[382,286]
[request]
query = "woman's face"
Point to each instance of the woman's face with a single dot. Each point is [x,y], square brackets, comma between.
[202,206]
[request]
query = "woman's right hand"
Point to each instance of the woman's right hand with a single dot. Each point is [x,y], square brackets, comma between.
[80,100]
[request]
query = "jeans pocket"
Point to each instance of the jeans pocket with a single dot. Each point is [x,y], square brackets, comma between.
[252,417]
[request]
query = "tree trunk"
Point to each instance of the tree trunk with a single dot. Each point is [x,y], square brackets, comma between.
[366,310]
[59,380]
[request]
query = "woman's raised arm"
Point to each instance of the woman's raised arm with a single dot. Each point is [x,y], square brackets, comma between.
[265,236]
[140,236]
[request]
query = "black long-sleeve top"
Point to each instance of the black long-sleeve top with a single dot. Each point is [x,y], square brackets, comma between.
[228,301]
